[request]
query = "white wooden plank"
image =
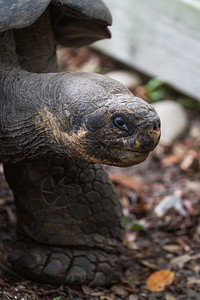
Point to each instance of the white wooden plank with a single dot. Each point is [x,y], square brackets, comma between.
[160,38]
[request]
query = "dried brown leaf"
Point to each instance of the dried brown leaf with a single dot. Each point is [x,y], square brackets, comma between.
[127,182]
[87,290]
[119,290]
[141,92]
[3,283]
[191,161]
[192,281]
[129,240]
[159,279]
[169,296]
[172,248]
[181,260]
[170,160]
[132,297]
[97,294]
[189,206]
[106,298]
[148,264]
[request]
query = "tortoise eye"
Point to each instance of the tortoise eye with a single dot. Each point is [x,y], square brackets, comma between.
[120,123]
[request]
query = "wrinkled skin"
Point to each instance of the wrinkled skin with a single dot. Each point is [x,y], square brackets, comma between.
[53,128]
[75,116]
[93,133]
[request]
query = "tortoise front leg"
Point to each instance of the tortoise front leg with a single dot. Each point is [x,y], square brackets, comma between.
[70,225]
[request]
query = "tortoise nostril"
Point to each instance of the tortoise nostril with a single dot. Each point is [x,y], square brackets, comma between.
[155,127]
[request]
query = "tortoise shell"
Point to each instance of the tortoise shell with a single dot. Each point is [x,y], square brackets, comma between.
[74,23]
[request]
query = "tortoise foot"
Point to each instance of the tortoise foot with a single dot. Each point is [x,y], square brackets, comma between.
[65,266]
[70,224]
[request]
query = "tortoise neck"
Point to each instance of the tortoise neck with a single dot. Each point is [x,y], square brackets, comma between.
[22,95]
[32,48]
[36,46]
[8,57]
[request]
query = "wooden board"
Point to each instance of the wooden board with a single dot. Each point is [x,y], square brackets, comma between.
[160,38]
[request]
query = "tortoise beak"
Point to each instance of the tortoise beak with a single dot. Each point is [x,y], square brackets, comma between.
[148,137]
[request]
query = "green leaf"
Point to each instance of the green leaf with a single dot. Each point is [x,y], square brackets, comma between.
[135,226]
[154,84]
[57,298]
[157,95]
[126,221]
[156,89]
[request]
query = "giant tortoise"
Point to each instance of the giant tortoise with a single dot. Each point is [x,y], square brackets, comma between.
[55,130]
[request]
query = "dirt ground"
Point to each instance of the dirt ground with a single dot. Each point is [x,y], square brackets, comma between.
[161,204]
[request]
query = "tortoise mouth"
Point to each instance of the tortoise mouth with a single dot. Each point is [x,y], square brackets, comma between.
[128,145]
[127,158]
[143,142]
[122,157]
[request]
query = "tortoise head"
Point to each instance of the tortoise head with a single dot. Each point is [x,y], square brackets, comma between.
[125,132]
[99,120]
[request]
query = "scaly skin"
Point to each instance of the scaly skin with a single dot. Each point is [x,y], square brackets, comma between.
[73,212]
[70,224]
